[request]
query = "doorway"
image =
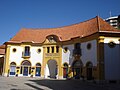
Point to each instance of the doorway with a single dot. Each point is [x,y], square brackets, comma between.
[89,66]
[38,69]
[77,69]
[53,69]
[65,70]
[26,68]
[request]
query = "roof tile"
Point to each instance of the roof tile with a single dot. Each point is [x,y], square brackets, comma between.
[65,33]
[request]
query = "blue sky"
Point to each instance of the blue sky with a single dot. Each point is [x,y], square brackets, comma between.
[17,14]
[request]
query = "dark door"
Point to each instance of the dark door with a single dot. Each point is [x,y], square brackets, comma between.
[89,73]
[25,71]
[38,69]
[65,72]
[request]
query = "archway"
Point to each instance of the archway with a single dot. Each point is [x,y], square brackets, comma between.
[53,70]
[77,69]
[25,68]
[89,66]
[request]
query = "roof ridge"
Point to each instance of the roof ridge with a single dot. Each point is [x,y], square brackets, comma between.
[98,23]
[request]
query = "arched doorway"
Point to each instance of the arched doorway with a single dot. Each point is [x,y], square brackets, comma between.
[65,70]
[38,69]
[25,68]
[89,66]
[12,68]
[77,68]
[53,70]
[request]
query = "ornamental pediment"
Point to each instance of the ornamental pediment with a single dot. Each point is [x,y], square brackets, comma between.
[51,39]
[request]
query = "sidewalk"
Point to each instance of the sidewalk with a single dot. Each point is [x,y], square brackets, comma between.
[36,83]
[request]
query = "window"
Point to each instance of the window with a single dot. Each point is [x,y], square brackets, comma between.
[14,50]
[52,39]
[48,49]
[52,49]
[39,50]
[65,49]
[89,46]
[38,65]
[57,49]
[12,68]
[77,50]
[27,51]
[77,46]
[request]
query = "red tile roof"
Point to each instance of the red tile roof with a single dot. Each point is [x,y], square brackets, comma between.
[2,46]
[2,49]
[64,33]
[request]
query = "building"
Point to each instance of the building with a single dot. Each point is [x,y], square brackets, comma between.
[2,56]
[114,21]
[90,49]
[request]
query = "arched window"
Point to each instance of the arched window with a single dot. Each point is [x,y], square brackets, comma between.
[12,68]
[26,63]
[65,70]
[38,65]
[38,69]
[25,68]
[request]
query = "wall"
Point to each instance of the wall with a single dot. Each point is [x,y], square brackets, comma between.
[67,57]
[34,58]
[87,55]
[112,59]
[16,56]
[91,54]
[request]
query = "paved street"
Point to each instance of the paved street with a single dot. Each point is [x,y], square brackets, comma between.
[27,83]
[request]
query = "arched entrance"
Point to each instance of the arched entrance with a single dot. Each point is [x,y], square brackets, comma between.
[65,70]
[77,68]
[25,68]
[89,66]
[38,69]
[12,68]
[53,70]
